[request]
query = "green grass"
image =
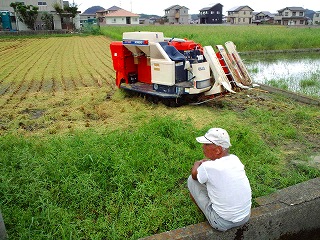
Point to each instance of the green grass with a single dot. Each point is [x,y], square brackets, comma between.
[126,184]
[247,38]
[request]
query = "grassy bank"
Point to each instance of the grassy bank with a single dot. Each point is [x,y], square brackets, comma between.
[130,182]
[247,38]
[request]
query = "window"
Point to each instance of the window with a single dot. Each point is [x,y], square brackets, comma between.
[218,12]
[114,20]
[244,19]
[239,19]
[293,13]
[301,22]
[286,14]
[244,12]
[212,12]
[42,3]
[300,14]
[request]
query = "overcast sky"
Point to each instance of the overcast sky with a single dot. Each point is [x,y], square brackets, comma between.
[157,6]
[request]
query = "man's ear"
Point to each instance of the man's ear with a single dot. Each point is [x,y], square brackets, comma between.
[219,150]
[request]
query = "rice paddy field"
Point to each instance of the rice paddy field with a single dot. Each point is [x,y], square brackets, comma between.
[81,159]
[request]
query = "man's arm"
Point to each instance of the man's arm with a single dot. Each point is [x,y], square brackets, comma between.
[194,170]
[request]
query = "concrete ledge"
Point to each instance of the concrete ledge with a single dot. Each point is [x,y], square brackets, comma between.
[296,96]
[286,214]
[3,232]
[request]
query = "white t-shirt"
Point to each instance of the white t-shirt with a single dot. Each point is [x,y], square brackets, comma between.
[228,187]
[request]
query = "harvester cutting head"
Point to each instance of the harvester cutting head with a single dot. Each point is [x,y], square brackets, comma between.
[176,71]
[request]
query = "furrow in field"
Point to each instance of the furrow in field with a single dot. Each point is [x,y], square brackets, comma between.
[78,65]
[101,47]
[17,81]
[85,69]
[102,52]
[101,72]
[29,77]
[16,57]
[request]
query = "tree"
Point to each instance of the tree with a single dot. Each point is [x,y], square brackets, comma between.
[47,18]
[67,11]
[26,13]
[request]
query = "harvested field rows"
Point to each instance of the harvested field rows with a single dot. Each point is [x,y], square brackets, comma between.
[31,67]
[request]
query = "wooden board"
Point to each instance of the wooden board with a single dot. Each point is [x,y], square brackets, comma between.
[216,68]
[231,48]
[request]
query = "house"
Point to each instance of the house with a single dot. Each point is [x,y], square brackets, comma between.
[177,14]
[59,22]
[240,15]
[291,16]
[211,15]
[88,18]
[100,15]
[262,17]
[316,18]
[117,17]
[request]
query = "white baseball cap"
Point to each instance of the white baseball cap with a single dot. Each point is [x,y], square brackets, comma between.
[217,136]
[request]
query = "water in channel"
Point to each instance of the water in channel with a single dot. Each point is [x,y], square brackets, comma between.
[296,72]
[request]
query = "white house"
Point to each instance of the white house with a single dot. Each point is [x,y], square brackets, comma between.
[44,6]
[316,18]
[291,16]
[118,17]
[240,15]
[177,14]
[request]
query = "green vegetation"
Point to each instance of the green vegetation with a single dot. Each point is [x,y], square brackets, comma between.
[26,13]
[82,160]
[247,38]
[130,182]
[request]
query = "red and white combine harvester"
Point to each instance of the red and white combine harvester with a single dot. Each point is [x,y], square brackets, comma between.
[176,71]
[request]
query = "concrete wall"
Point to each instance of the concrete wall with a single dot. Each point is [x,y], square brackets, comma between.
[290,213]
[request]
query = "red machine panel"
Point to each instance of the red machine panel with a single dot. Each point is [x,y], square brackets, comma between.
[123,62]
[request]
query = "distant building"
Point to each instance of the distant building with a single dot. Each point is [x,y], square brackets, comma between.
[240,15]
[211,15]
[177,14]
[316,18]
[262,17]
[88,18]
[116,16]
[291,16]
[44,6]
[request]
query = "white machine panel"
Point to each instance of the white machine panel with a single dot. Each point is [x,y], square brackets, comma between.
[201,71]
[150,36]
[163,72]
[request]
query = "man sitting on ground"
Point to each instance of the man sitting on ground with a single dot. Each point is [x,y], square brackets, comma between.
[218,184]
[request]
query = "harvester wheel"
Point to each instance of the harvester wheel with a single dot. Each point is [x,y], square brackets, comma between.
[172,102]
[152,99]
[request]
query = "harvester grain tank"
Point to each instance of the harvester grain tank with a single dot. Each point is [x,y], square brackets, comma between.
[174,70]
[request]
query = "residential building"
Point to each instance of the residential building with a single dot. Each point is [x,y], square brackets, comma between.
[45,6]
[117,17]
[316,18]
[100,15]
[211,15]
[240,15]
[262,17]
[177,14]
[291,16]
[88,18]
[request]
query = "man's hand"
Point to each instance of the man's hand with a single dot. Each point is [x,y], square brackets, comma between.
[194,171]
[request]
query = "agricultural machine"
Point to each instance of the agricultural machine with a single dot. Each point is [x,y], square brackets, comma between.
[176,71]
